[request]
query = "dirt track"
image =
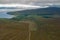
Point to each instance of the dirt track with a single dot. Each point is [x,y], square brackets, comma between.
[50,30]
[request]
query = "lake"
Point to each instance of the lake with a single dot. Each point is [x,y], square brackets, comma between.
[5,15]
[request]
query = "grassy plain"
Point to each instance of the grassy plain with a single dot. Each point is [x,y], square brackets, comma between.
[49,29]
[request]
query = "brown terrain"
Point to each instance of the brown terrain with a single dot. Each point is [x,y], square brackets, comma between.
[48,30]
[14,31]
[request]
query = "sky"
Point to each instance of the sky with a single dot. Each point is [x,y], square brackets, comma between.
[25,4]
[32,2]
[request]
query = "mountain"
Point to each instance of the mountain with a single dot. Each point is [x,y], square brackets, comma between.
[45,12]
[39,11]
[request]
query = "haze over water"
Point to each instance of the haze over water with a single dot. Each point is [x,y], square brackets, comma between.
[5,15]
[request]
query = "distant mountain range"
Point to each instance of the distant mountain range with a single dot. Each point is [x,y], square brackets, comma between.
[49,11]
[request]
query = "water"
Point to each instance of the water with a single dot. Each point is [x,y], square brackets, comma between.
[5,15]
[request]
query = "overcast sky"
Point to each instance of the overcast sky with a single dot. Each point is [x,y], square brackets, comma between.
[29,1]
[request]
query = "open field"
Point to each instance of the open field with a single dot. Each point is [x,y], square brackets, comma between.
[49,30]
[13,30]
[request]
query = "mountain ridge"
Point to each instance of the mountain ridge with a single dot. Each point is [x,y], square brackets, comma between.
[48,12]
[39,11]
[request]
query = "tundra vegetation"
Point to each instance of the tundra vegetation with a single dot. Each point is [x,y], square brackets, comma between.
[31,25]
[17,28]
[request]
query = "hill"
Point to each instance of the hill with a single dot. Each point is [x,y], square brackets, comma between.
[48,12]
[40,11]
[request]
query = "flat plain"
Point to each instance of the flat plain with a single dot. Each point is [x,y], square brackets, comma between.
[13,30]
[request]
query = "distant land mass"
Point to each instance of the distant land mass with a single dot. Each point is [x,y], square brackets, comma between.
[46,12]
[39,11]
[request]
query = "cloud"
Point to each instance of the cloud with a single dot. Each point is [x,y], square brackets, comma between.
[29,1]
[18,7]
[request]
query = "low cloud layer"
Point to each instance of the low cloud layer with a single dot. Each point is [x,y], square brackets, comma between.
[30,2]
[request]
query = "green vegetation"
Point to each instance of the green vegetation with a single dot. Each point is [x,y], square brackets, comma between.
[14,29]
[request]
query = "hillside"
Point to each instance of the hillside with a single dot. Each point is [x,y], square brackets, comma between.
[49,12]
[41,11]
